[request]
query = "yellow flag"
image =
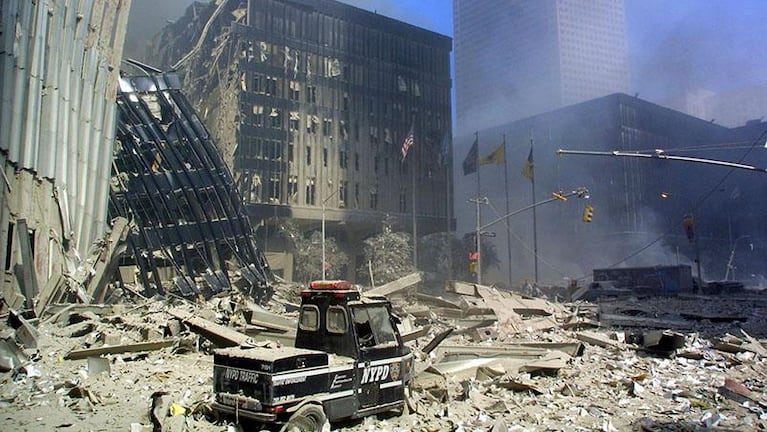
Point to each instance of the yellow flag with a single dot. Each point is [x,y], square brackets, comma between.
[498,156]
[529,170]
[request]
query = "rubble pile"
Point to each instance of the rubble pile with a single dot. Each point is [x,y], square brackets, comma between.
[488,360]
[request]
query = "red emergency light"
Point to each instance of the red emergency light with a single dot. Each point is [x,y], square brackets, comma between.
[331,285]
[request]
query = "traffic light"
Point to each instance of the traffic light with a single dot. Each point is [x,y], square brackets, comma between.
[473,258]
[588,213]
[688,223]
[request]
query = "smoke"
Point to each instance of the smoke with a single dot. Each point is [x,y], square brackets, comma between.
[146,19]
[434,15]
[687,45]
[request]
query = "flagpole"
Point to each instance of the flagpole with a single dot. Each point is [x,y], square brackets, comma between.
[479,215]
[448,210]
[508,224]
[535,219]
[415,225]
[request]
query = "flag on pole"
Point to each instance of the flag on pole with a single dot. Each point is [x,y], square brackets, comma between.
[498,156]
[529,169]
[470,163]
[407,143]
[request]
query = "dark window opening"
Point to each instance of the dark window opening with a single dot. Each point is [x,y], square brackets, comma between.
[9,247]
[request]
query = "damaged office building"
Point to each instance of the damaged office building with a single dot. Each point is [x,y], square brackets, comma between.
[310,103]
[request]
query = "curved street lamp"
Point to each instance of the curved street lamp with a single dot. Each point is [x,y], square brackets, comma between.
[730,267]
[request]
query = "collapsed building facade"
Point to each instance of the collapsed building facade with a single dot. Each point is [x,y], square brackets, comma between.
[59,62]
[82,158]
[310,102]
[169,179]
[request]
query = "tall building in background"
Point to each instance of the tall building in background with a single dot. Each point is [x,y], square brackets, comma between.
[310,103]
[518,58]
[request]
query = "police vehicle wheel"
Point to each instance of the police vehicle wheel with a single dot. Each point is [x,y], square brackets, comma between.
[309,418]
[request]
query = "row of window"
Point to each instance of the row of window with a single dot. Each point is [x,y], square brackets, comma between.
[356,39]
[269,189]
[264,84]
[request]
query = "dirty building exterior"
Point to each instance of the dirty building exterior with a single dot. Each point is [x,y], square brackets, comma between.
[310,103]
[59,62]
[636,200]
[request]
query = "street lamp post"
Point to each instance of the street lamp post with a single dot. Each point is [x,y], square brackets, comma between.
[324,202]
[730,267]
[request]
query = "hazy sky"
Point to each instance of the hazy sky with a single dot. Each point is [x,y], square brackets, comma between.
[715,44]
[673,44]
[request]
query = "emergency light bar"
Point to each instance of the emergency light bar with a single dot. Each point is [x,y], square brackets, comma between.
[331,285]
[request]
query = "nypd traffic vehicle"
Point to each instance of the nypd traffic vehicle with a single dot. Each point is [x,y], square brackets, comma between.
[348,362]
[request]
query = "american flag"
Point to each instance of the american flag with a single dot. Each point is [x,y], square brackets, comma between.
[407,143]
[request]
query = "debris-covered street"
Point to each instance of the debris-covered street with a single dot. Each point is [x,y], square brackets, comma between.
[395,216]
[511,362]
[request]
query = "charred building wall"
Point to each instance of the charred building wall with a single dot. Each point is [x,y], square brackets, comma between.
[309,103]
[58,61]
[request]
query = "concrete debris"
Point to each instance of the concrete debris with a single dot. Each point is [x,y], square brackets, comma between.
[148,365]
[396,286]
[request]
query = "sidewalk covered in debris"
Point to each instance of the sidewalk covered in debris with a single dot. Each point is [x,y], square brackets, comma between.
[487,360]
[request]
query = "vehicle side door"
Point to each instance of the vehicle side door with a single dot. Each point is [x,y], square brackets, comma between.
[378,368]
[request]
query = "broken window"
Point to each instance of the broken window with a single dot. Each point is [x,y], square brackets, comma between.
[295,91]
[334,69]
[342,193]
[295,120]
[293,188]
[9,247]
[258,115]
[275,188]
[311,123]
[310,190]
[373,326]
[343,158]
[275,119]
[373,198]
[263,49]
[344,129]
